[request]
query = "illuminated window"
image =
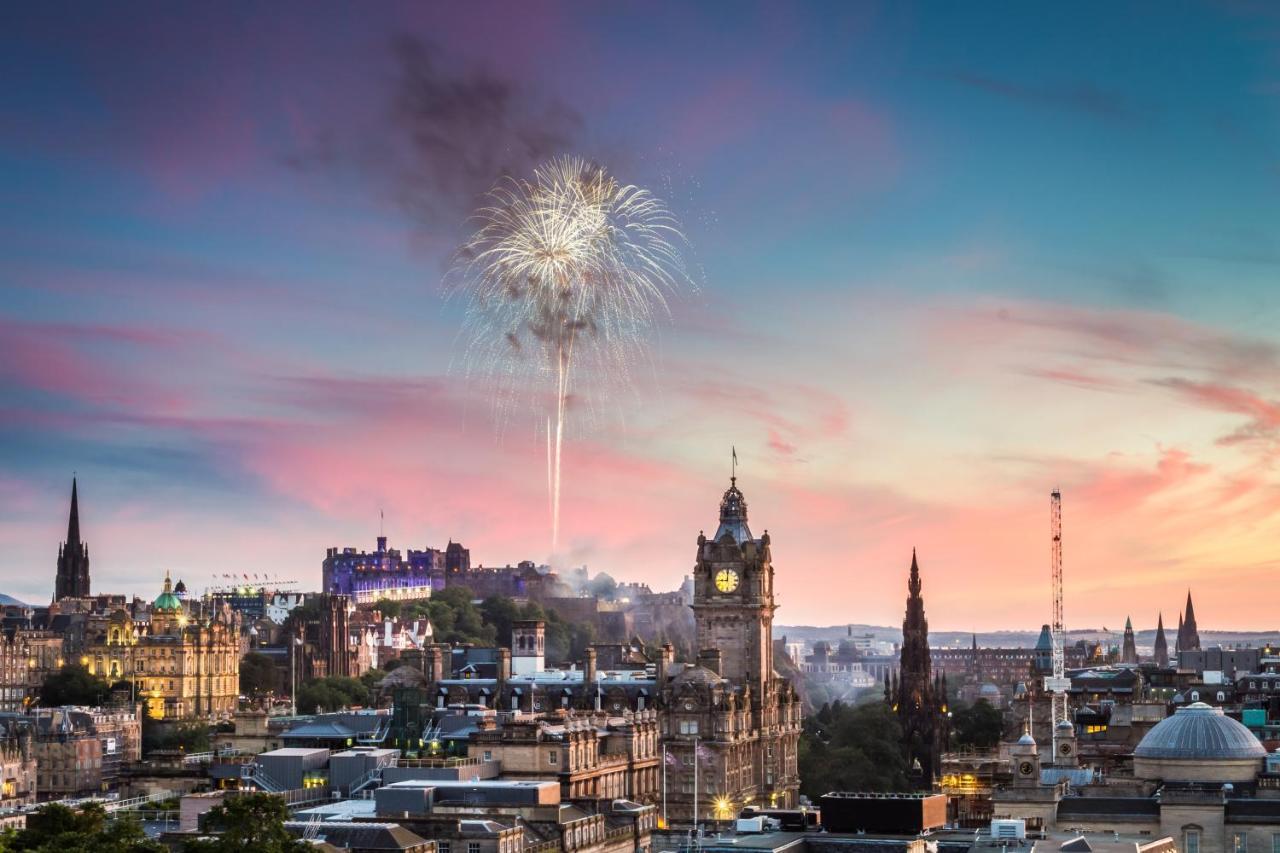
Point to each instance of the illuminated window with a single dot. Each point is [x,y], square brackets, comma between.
[1240,842]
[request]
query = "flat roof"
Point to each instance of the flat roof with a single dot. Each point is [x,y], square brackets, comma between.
[295,751]
[479,783]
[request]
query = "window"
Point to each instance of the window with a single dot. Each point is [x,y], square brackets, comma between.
[442,847]
[1191,843]
[1275,842]
[553,757]
[473,847]
[1240,842]
[488,755]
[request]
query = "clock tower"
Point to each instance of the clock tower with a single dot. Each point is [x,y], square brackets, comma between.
[733,596]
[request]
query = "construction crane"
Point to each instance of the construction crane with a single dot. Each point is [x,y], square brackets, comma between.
[1056,685]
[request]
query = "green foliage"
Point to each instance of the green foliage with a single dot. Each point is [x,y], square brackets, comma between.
[332,694]
[55,828]
[388,608]
[73,685]
[455,619]
[258,675]
[977,725]
[852,748]
[252,822]
[188,737]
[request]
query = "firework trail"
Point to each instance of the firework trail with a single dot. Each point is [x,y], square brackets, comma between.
[566,274]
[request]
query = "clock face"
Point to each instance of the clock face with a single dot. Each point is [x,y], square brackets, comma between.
[726,580]
[1025,768]
[1065,749]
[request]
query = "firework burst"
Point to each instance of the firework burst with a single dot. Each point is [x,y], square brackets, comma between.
[564,279]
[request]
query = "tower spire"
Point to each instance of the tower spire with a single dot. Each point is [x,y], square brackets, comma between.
[73,520]
[1161,647]
[72,579]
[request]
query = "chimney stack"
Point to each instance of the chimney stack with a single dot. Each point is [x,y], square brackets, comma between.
[711,659]
[666,657]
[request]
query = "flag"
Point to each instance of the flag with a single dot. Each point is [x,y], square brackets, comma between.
[670,759]
[703,753]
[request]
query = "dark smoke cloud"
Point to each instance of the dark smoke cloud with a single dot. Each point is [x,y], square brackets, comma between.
[447,135]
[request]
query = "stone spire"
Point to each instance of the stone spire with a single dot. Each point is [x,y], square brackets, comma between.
[1181,638]
[1191,639]
[919,704]
[72,580]
[1161,645]
[1129,651]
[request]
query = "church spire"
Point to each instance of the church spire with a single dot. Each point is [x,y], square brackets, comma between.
[72,580]
[73,521]
[1161,648]
[1192,639]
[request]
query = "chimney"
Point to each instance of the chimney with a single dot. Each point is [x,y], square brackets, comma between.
[504,665]
[711,659]
[589,668]
[666,657]
[435,657]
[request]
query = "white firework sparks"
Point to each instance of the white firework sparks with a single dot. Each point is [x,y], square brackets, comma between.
[566,274]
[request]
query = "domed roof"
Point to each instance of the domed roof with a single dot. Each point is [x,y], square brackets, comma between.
[1026,740]
[1064,725]
[697,675]
[1199,732]
[180,588]
[167,602]
[733,514]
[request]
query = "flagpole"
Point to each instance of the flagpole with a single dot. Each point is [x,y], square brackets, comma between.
[665,825]
[695,784]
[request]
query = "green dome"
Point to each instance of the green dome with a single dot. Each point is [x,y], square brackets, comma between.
[167,602]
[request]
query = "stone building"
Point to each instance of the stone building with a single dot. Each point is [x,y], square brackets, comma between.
[592,756]
[80,751]
[731,725]
[27,657]
[726,719]
[917,696]
[1198,777]
[17,764]
[183,662]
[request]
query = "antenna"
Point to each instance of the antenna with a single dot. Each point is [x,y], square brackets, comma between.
[1057,684]
[733,470]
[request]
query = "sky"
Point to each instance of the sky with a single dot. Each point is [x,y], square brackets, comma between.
[946,258]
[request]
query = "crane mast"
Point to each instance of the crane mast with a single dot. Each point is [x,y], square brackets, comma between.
[1057,684]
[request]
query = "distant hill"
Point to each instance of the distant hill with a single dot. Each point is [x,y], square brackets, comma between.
[1019,639]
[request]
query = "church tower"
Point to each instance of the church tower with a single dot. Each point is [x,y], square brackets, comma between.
[73,558]
[733,597]
[919,700]
[1129,649]
[1161,649]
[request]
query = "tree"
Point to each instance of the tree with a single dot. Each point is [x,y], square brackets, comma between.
[56,828]
[388,608]
[248,822]
[258,675]
[978,725]
[852,748]
[333,693]
[73,685]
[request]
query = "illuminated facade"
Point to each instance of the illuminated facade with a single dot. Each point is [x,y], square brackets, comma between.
[182,663]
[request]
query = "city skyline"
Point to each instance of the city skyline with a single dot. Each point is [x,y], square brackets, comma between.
[941,271]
